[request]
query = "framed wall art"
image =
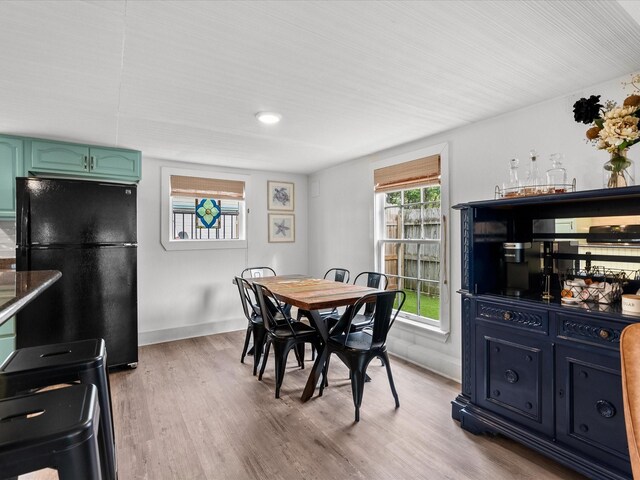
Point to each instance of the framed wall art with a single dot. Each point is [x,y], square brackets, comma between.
[282,227]
[280,196]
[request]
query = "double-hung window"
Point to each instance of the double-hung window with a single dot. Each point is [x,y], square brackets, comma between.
[410,249]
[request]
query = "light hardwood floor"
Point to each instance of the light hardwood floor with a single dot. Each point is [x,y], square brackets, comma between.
[191,410]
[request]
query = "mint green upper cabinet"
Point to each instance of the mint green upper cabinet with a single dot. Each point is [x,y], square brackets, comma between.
[115,163]
[11,166]
[58,157]
[83,161]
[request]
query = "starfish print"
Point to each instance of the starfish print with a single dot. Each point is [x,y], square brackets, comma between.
[281,228]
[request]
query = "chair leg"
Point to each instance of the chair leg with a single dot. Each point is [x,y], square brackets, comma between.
[258,345]
[264,358]
[296,352]
[281,353]
[357,389]
[246,343]
[393,387]
[300,354]
[81,461]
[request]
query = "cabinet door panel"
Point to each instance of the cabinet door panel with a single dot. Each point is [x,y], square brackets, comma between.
[58,157]
[515,377]
[115,163]
[11,165]
[590,411]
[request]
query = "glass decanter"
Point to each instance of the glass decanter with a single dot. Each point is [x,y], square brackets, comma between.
[534,184]
[512,187]
[556,175]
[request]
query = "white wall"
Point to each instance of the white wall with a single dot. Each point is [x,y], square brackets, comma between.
[342,228]
[188,293]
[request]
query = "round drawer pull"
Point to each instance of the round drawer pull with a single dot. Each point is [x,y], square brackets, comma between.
[507,316]
[511,376]
[606,409]
[604,334]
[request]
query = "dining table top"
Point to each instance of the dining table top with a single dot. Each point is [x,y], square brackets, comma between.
[310,293]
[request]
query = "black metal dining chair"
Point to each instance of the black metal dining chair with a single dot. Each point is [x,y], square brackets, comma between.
[357,348]
[363,319]
[282,335]
[255,324]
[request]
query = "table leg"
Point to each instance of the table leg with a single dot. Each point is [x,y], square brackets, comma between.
[316,372]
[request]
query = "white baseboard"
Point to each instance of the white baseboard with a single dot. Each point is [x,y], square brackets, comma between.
[422,356]
[190,331]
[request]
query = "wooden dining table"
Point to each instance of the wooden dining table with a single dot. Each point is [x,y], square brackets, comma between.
[313,294]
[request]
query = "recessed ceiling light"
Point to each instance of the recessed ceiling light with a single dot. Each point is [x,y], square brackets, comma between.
[268,117]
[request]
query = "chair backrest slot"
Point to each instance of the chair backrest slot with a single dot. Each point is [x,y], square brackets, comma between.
[53,354]
[22,416]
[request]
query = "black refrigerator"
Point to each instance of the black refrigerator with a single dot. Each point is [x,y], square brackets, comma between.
[86,230]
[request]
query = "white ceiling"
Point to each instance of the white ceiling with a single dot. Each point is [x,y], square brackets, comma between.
[183,80]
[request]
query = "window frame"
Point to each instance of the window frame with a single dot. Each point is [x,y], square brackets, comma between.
[171,244]
[441,328]
[414,241]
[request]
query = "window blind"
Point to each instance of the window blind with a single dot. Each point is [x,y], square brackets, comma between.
[200,187]
[408,174]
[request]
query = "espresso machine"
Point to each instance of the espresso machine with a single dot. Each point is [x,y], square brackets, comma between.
[522,265]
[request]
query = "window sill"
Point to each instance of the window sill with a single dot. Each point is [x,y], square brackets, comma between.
[428,331]
[203,244]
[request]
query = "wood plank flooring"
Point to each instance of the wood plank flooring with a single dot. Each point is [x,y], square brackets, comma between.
[191,410]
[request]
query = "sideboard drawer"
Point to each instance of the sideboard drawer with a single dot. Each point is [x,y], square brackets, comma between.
[513,316]
[582,329]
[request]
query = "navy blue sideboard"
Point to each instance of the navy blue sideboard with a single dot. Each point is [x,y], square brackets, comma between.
[545,373]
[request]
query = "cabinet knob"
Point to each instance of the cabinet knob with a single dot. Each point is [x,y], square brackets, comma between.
[507,316]
[604,334]
[605,408]
[511,376]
